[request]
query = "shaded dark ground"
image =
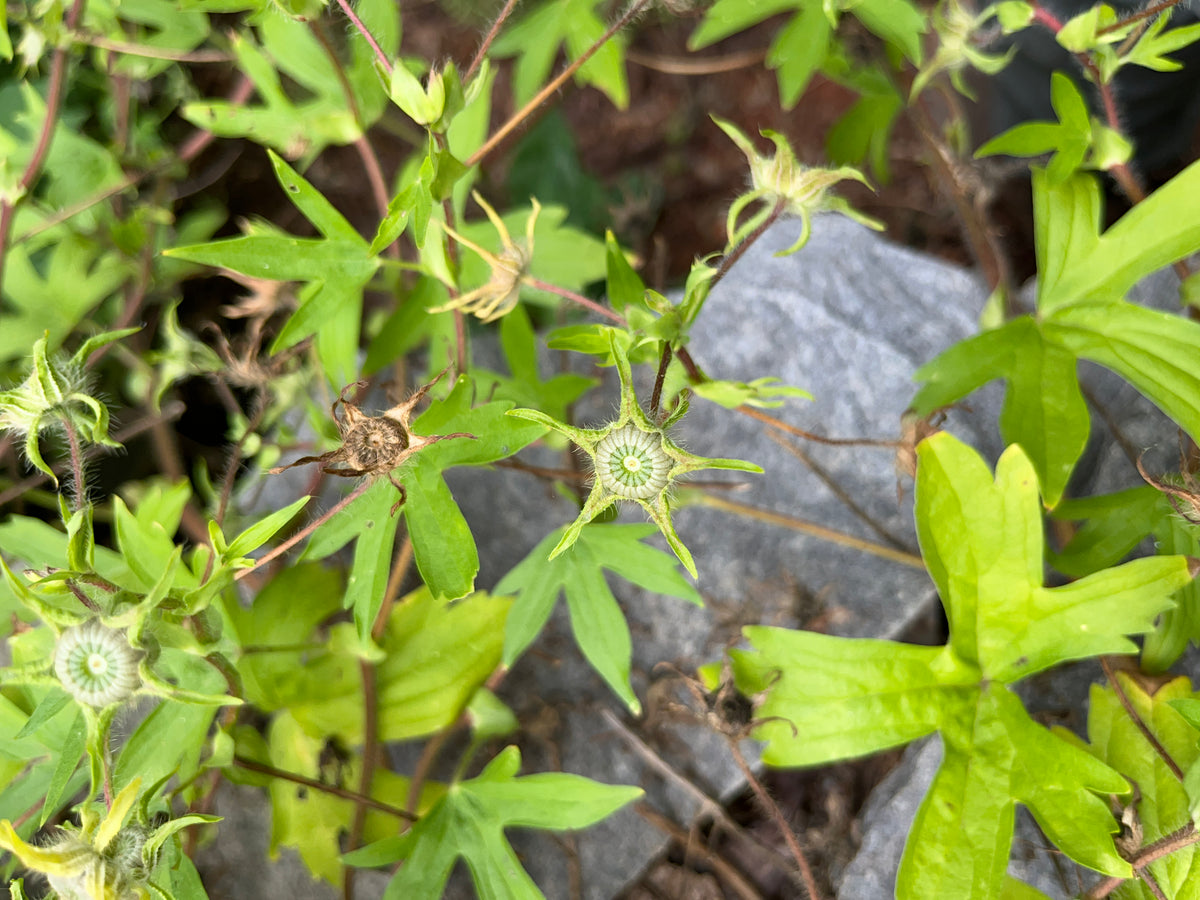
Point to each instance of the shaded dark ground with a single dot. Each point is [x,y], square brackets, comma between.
[661,175]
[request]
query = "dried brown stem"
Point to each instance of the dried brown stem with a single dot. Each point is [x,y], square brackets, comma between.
[660,377]
[1164,846]
[772,809]
[708,806]
[818,531]
[332,790]
[726,872]
[813,436]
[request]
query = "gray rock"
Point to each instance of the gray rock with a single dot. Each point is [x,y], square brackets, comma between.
[849,318]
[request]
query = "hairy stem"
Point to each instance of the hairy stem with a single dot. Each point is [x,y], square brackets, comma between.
[772,809]
[631,13]
[305,531]
[578,299]
[366,33]
[481,53]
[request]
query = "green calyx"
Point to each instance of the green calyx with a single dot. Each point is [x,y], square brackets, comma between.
[55,398]
[633,459]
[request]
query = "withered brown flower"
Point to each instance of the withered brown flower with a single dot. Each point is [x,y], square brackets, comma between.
[374,445]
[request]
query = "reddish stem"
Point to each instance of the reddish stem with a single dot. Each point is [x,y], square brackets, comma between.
[365,32]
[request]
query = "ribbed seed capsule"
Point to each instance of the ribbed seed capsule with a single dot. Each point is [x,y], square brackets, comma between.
[96,664]
[631,463]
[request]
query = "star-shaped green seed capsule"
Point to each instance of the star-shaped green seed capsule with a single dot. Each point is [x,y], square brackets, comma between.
[633,459]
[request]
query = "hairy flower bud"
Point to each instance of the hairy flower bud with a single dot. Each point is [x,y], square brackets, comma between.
[56,397]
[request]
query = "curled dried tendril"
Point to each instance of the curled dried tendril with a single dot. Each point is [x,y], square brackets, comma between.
[97,665]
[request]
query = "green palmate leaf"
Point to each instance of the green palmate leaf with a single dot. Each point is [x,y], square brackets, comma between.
[1081,315]
[624,286]
[1153,351]
[310,821]
[335,269]
[526,387]
[1018,890]
[1163,803]
[535,41]
[864,132]
[1180,625]
[437,655]
[596,618]
[443,547]
[1152,48]
[263,530]
[1115,524]
[898,22]
[1069,139]
[762,392]
[1044,410]
[275,632]
[469,822]
[1086,266]
[367,584]
[72,278]
[981,538]
[798,51]
[167,742]
[322,114]
[726,17]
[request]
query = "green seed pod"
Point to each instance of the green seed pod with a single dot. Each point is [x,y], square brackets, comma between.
[96,664]
[631,463]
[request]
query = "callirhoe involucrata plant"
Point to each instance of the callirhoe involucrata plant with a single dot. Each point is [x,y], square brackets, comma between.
[176,618]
